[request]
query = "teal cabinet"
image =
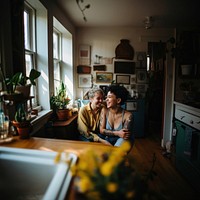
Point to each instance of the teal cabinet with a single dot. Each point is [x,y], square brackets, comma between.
[188,153]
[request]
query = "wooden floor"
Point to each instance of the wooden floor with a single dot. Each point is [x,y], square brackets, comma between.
[168,180]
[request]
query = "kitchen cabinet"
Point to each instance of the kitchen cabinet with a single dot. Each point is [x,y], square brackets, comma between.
[187,151]
[66,129]
[138,108]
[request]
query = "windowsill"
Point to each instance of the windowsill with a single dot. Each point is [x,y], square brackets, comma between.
[40,120]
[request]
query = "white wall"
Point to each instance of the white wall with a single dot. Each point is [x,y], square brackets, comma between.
[103,42]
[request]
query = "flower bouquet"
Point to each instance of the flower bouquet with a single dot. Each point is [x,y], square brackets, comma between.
[111,176]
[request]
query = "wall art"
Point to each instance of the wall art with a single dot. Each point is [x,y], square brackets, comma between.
[84,54]
[141,76]
[85,80]
[99,67]
[141,88]
[131,105]
[83,69]
[123,79]
[141,60]
[104,77]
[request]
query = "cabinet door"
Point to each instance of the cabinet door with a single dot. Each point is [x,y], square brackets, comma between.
[187,153]
[138,115]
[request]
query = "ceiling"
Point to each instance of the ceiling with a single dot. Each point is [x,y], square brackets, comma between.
[165,13]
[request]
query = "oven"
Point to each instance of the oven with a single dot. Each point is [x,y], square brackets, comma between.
[187,143]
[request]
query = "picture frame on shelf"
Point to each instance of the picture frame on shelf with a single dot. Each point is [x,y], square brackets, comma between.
[104,77]
[123,79]
[141,76]
[85,80]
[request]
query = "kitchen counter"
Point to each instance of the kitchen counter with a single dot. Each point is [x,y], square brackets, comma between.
[57,145]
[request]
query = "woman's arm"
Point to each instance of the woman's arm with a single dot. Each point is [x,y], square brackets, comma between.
[84,125]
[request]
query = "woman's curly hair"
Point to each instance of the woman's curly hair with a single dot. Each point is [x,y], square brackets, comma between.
[119,91]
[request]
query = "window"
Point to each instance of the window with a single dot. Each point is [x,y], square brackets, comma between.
[56,57]
[62,48]
[29,43]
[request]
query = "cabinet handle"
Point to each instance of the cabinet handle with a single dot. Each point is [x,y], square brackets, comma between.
[182,117]
[191,121]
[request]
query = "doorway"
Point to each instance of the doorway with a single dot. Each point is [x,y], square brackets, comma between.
[155,92]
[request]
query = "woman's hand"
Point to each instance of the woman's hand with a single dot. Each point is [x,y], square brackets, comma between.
[124,133]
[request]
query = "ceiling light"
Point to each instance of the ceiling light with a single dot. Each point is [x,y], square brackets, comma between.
[83,9]
[148,22]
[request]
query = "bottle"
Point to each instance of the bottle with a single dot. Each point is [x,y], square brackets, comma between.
[2,118]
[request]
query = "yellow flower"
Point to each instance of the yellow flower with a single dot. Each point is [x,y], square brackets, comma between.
[112,187]
[126,146]
[106,169]
[84,184]
[130,194]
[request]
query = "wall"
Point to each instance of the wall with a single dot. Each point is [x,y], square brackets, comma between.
[104,40]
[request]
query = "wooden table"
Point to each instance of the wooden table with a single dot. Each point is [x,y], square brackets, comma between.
[45,144]
[55,144]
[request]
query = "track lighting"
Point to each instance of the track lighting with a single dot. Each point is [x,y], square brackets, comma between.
[83,9]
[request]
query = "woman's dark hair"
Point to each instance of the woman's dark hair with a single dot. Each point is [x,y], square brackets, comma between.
[120,92]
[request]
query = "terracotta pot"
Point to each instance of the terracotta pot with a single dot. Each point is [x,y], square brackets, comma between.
[63,114]
[23,129]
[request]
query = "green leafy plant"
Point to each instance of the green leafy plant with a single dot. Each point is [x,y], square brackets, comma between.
[61,99]
[33,75]
[19,78]
[20,115]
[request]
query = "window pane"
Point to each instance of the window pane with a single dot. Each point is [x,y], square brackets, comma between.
[56,75]
[55,45]
[26,30]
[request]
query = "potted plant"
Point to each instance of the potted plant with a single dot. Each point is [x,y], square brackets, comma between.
[25,82]
[22,122]
[13,84]
[60,101]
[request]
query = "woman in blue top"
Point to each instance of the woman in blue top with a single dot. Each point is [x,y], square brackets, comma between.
[116,124]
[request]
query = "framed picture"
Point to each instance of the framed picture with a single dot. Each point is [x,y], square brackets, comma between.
[99,68]
[123,79]
[131,105]
[84,54]
[124,66]
[104,77]
[141,76]
[85,80]
[141,59]
[82,69]
[141,88]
